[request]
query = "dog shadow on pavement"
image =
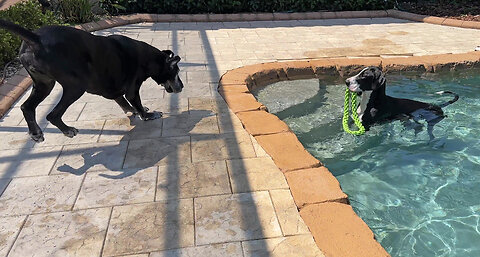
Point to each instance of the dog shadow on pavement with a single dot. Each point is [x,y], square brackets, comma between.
[146,144]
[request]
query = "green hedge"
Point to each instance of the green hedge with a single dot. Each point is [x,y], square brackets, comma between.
[27,14]
[238,6]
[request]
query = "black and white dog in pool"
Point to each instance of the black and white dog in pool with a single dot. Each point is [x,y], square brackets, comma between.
[376,107]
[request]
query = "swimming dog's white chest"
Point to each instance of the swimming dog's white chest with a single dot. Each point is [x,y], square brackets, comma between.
[363,103]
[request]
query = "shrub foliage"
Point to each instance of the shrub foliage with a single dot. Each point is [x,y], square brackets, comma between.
[237,6]
[28,14]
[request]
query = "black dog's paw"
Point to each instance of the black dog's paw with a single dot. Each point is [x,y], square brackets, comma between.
[151,116]
[70,132]
[37,137]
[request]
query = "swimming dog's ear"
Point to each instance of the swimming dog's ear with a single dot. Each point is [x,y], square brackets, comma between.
[380,79]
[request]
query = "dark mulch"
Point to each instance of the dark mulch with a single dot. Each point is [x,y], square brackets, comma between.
[461,10]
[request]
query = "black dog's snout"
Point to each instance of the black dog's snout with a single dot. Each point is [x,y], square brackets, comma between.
[347,81]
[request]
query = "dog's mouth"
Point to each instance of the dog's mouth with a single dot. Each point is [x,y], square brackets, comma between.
[173,86]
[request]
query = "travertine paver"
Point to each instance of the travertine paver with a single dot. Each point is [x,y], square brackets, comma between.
[150,227]
[287,213]
[107,188]
[192,180]
[115,156]
[235,217]
[39,194]
[130,128]
[31,162]
[195,122]
[294,246]
[9,228]
[216,250]
[89,131]
[162,151]
[78,233]
[221,147]
[255,174]
[78,159]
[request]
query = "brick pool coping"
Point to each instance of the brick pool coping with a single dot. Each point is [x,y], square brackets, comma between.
[337,230]
[324,207]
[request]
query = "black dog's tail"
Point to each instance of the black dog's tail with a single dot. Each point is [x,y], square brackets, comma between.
[25,34]
[455,98]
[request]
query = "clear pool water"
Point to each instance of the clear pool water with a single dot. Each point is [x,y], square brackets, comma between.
[420,197]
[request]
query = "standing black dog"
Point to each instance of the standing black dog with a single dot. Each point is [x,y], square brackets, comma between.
[376,106]
[114,67]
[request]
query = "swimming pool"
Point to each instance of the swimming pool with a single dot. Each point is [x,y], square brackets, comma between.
[420,197]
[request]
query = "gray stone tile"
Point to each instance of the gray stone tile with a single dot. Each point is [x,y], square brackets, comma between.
[78,233]
[161,151]
[193,90]
[211,104]
[106,188]
[195,122]
[89,131]
[287,213]
[71,114]
[171,104]
[256,174]
[238,217]
[192,180]
[229,122]
[221,147]
[131,128]
[80,158]
[151,90]
[101,111]
[28,162]
[15,138]
[217,250]
[3,184]
[39,194]
[294,246]
[9,228]
[12,118]
[150,227]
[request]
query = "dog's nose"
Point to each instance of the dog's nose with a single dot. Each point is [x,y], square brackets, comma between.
[347,81]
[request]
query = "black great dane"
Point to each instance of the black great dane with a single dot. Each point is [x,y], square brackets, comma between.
[376,106]
[114,67]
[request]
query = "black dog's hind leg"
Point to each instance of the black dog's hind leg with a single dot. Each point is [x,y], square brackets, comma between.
[70,95]
[41,89]
[125,105]
[133,97]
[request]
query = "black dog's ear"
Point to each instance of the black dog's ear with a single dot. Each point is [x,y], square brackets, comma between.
[169,53]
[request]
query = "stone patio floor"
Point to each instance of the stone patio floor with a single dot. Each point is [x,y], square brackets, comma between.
[193,183]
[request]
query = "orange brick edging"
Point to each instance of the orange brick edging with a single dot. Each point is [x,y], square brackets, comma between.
[325,208]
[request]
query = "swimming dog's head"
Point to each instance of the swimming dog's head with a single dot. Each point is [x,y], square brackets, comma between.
[369,79]
[167,76]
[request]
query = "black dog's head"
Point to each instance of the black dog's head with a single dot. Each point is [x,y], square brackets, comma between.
[369,79]
[167,75]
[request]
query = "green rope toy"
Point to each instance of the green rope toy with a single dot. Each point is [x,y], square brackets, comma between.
[351,95]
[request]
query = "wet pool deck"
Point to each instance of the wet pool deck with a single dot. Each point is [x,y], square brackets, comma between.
[193,183]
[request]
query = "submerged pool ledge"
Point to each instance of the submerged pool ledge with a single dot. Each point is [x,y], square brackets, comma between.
[322,204]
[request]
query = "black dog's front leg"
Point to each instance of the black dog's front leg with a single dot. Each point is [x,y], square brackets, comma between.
[134,99]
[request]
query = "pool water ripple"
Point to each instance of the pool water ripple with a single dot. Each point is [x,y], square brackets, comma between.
[420,197]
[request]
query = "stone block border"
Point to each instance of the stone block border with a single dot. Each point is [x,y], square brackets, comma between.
[15,86]
[325,208]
